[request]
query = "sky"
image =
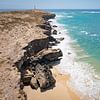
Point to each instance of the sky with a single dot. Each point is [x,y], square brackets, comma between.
[50,4]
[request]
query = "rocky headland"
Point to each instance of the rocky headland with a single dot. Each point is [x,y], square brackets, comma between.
[26,54]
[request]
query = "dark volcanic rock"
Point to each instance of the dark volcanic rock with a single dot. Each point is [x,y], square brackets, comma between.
[54,25]
[54,32]
[47,32]
[47,23]
[52,55]
[49,16]
[35,64]
[44,76]
[44,26]
[36,46]
[53,41]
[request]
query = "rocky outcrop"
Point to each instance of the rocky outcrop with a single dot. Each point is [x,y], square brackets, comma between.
[55,26]
[20,42]
[36,46]
[35,70]
[44,76]
[47,28]
[49,16]
[47,32]
[53,41]
[30,49]
[54,32]
[50,55]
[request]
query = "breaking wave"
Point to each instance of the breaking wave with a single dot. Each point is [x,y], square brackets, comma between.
[83,77]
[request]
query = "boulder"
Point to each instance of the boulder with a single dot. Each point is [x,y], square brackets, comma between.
[50,55]
[44,26]
[54,26]
[55,32]
[44,76]
[49,16]
[33,83]
[36,46]
[69,53]
[52,39]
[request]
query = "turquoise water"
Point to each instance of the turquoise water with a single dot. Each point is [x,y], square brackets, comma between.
[84,27]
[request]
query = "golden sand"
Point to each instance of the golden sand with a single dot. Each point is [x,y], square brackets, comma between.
[61,91]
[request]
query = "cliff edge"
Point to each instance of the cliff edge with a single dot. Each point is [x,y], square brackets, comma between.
[26,55]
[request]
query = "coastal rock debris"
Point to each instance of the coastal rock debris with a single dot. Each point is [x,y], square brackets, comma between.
[35,69]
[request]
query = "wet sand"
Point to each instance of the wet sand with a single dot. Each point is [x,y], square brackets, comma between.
[61,91]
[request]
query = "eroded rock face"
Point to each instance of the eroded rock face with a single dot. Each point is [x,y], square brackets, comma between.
[17,30]
[36,46]
[50,55]
[53,55]
[35,70]
[47,28]
[44,26]
[44,76]
[49,16]
[34,65]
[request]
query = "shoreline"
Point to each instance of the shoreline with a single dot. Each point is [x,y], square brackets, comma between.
[60,91]
[83,78]
[27,59]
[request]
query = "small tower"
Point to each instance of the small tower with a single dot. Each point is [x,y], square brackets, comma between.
[34,6]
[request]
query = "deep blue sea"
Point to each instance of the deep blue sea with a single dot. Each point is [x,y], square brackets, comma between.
[84,27]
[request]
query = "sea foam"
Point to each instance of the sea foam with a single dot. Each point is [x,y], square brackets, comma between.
[91,12]
[83,77]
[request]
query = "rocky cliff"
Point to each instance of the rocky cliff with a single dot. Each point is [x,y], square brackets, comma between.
[25,44]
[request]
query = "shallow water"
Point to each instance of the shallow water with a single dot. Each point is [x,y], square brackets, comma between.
[81,65]
[84,28]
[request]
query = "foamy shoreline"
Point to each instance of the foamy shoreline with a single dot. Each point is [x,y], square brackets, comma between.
[82,74]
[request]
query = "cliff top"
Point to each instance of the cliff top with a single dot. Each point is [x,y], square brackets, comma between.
[17,29]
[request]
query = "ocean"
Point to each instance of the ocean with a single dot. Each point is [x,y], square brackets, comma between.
[83,26]
[81,30]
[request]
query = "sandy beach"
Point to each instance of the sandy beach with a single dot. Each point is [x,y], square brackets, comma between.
[61,91]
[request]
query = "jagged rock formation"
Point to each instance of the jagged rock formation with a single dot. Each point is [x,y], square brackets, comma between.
[47,17]
[25,41]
